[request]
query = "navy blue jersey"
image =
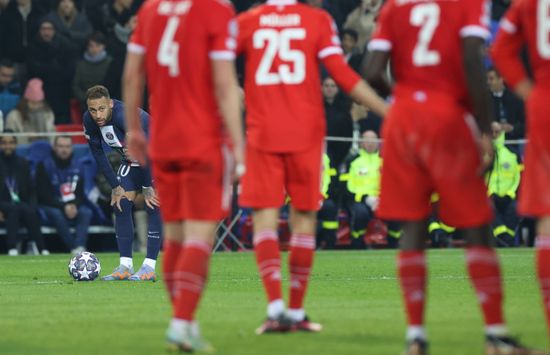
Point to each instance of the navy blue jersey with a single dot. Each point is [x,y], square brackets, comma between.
[114,136]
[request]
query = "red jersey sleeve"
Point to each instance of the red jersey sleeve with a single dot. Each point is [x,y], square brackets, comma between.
[475,19]
[507,46]
[136,44]
[329,41]
[382,39]
[223,30]
[331,54]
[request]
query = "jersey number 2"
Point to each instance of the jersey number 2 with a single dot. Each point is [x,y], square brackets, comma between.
[168,51]
[278,44]
[425,16]
[543,28]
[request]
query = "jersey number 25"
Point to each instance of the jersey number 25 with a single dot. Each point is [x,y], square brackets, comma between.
[277,44]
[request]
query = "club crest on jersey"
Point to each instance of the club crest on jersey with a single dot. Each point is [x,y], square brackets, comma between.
[109,136]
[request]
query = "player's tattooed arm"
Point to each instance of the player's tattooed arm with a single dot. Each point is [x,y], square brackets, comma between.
[150,197]
[117,194]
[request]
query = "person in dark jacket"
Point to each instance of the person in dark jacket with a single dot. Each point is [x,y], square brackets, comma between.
[70,23]
[60,186]
[17,205]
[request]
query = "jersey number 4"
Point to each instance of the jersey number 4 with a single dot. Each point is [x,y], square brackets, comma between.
[425,16]
[277,44]
[168,51]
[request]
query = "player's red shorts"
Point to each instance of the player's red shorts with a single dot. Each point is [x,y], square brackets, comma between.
[430,146]
[194,189]
[271,176]
[534,198]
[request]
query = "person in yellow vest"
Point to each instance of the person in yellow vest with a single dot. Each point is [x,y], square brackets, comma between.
[440,233]
[502,182]
[363,186]
[328,214]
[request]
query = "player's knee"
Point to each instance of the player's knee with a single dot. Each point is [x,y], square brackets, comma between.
[126,207]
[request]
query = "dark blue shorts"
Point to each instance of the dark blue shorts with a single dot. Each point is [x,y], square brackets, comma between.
[131,178]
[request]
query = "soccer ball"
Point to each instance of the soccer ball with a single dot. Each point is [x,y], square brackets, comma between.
[84,266]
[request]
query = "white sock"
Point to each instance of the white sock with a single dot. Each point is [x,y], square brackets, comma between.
[498,330]
[296,315]
[150,262]
[128,262]
[275,308]
[416,332]
[179,325]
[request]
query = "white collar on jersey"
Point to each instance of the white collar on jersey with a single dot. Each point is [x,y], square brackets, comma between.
[281,2]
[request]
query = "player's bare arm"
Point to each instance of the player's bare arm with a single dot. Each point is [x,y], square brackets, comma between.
[479,96]
[227,95]
[117,194]
[150,197]
[373,70]
[133,83]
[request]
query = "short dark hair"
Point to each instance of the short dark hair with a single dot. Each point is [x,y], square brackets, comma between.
[5,62]
[7,131]
[350,32]
[62,137]
[97,92]
[97,37]
[490,69]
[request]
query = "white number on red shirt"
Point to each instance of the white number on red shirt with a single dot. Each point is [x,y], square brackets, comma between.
[425,16]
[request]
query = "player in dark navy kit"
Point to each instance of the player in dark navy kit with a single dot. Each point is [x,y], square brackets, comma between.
[104,121]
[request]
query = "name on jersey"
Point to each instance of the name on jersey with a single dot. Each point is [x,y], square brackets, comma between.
[405,2]
[275,20]
[171,8]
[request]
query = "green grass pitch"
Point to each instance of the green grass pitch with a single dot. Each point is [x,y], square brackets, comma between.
[354,294]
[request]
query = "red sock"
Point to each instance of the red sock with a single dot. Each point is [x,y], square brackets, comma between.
[190,278]
[543,273]
[412,277]
[170,254]
[268,258]
[484,270]
[302,248]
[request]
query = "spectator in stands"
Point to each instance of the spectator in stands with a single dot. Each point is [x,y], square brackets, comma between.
[70,23]
[353,55]
[52,58]
[509,109]
[105,16]
[92,68]
[362,20]
[60,190]
[10,89]
[338,118]
[503,181]
[32,114]
[18,25]
[3,5]
[17,200]
[116,47]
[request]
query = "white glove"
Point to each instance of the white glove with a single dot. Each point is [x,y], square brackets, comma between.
[372,202]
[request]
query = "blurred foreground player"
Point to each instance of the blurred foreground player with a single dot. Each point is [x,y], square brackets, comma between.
[284,43]
[527,22]
[185,50]
[432,144]
[104,123]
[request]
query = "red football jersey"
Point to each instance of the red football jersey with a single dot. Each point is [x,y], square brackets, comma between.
[284,43]
[526,22]
[179,39]
[424,39]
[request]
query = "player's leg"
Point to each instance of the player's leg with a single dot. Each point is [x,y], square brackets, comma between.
[154,240]
[124,223]
[412,273]
[190,277]
[303,172]
[405,191]
[263,191]
[542,260]
[534,195]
